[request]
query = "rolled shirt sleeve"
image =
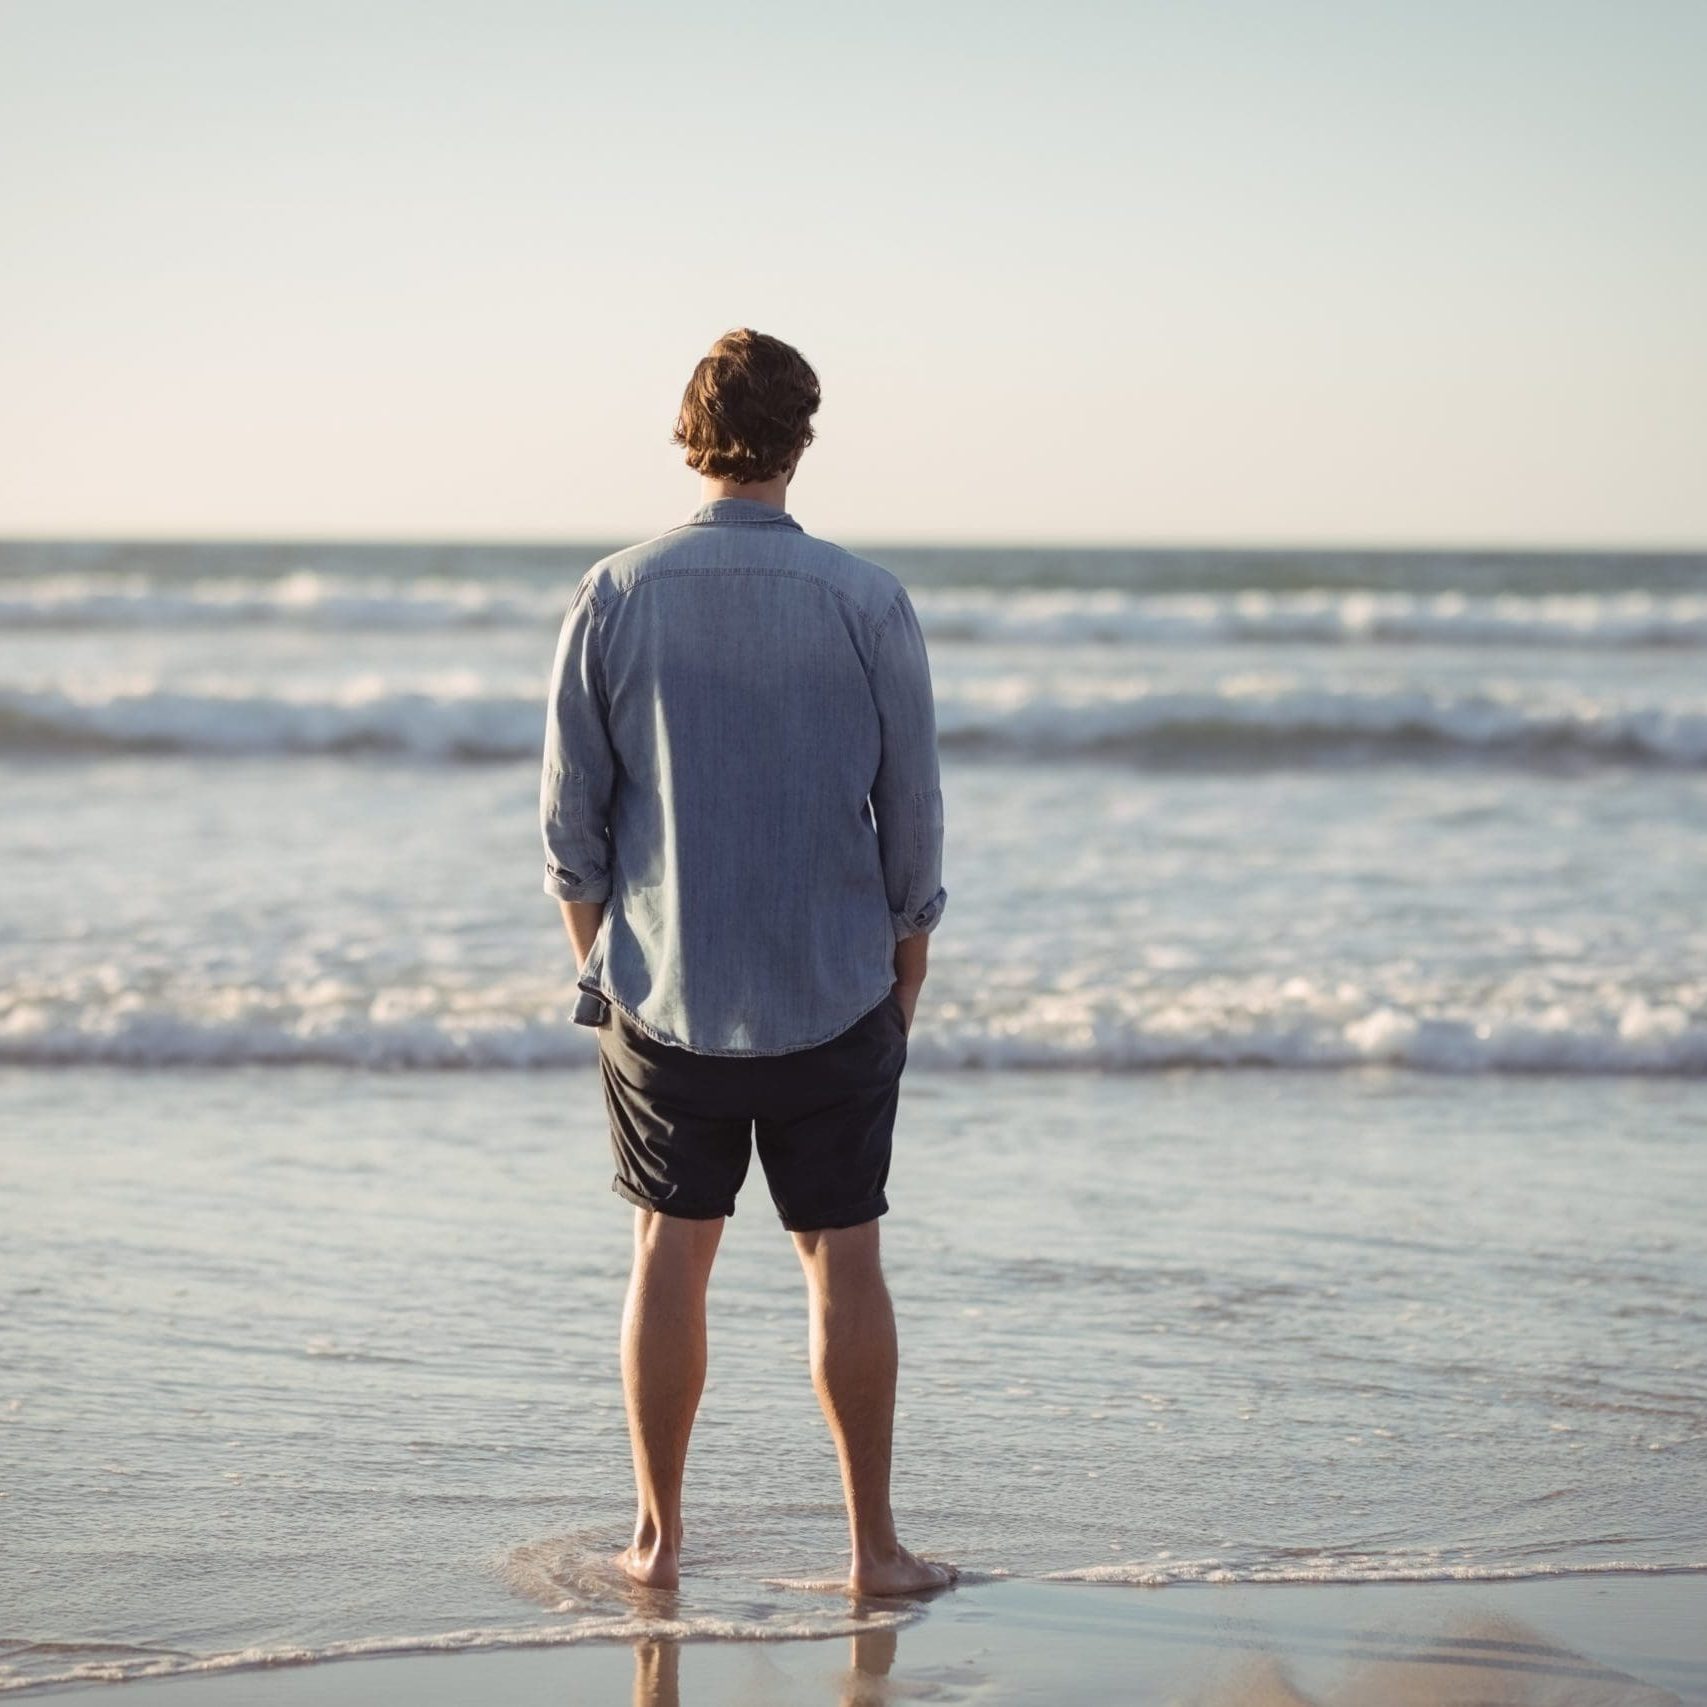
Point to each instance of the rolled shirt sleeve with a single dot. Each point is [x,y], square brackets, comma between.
[906,795]
[578,770]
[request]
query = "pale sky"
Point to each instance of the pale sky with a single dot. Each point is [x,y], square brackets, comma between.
[1213,271]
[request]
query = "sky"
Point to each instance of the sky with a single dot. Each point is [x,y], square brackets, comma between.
[1281,272]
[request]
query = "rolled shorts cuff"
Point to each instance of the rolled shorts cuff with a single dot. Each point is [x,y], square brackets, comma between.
[682,1211]
[853,1215]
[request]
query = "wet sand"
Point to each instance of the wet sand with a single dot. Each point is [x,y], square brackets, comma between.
[1613,1641]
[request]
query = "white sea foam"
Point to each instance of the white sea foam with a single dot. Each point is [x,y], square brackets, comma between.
[1242,721]
[1122,1031]
[1056,616]
[1313,617]
[1254,720]
[363,718]
[305,599]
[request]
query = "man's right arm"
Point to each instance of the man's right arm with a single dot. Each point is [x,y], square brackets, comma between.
[907,794]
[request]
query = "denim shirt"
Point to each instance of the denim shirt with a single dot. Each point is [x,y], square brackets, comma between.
[740,761]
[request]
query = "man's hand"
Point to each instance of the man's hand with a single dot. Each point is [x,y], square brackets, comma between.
[911,954]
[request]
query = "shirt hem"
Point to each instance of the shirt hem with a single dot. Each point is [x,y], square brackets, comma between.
[658,1036]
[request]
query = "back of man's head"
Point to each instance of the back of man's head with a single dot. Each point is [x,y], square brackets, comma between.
[746,415]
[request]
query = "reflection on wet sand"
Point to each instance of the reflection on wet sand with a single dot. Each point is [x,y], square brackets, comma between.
[1187,1659]
[1486,1661]
[657,1673]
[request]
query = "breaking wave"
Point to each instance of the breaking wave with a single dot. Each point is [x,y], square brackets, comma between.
[433,1030]
[1240,723]
[304,599]
[995,615]
[1321,618]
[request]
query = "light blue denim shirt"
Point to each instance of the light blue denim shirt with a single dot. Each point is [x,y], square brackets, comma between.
[740,760]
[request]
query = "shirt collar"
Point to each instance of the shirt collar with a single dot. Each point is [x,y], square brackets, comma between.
[744,510]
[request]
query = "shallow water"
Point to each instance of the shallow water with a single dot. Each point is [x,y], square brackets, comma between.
[302,1360]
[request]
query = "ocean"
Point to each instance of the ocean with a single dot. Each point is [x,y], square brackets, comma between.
[1299,1176]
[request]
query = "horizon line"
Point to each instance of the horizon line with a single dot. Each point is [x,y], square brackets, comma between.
[560,542]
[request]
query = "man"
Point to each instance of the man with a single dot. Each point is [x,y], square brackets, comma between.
[743,822]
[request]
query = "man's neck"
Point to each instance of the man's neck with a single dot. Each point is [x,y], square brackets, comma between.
[772,492]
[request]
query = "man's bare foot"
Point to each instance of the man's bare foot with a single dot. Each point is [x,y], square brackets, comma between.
[899,1572]
[651,1567]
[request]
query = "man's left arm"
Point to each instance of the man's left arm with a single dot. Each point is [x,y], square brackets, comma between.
[576,777]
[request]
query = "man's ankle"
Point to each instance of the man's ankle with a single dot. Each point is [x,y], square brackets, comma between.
[652,1537]
[881,1549]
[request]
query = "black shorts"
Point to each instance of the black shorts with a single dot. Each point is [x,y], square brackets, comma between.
[682,1124]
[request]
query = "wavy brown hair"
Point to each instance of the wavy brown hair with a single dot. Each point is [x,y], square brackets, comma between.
[747,412]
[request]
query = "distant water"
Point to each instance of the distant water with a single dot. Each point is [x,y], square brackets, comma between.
[1447,811]
[306,1344]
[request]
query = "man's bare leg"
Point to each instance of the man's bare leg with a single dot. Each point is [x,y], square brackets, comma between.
[663,1374]
[853,1367]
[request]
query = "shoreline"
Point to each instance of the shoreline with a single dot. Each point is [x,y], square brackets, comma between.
[1619,1640]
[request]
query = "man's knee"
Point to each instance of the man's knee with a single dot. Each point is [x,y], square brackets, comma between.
[841,1252]
[660,1238]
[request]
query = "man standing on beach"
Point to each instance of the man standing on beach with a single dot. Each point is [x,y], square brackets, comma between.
[743,823]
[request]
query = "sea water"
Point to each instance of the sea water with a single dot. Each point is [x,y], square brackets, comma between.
[1299,1174]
